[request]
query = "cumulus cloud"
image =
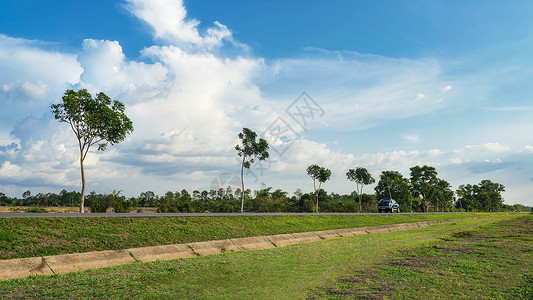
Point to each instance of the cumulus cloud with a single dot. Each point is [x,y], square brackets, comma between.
[168,20]
[25,70]
[106,69]
[488,147]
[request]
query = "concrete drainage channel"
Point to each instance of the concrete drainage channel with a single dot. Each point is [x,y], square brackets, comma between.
[66,263]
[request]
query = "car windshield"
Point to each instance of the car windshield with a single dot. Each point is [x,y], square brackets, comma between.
[385,200]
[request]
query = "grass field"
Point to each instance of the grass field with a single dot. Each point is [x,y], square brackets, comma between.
[53,236]
[470,259]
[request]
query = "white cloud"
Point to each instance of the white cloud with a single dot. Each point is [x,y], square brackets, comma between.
[420,96]
[25,70]
[106,69]
[447,88]
[168,20]
[356,90]
[411,138]
[488,147]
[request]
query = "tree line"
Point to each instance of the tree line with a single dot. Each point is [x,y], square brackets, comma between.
[414,196]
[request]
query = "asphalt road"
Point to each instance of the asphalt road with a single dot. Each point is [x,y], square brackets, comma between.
[157,215]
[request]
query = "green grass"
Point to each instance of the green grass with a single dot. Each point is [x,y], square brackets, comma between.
[53,236]
[360,266]
[487,262]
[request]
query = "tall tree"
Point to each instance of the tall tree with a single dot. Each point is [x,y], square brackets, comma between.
[422,180]
[319,174]
[249,149]
[362,177]
[94,121]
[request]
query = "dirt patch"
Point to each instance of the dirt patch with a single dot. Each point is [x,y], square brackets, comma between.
[410,263]
[350,287]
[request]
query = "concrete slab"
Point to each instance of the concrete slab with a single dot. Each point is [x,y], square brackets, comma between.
[214,247]
[281,240]
[253,243]
[378,229]
[328,234]
[164,252]
[23,267]
[84,261]
[345,232]
[306,237]
[358,231]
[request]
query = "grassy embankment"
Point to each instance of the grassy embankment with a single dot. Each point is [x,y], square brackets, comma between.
[470,259]
[52,236]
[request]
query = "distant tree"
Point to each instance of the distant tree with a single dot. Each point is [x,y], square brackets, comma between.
[5,200]
[250,149]
[393,185]
[94,121]
[441,194]
[488,195]
[148,199]
[466,198]
[319,174]
[422,180]
[362,177]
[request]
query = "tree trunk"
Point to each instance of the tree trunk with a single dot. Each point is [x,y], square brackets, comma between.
[316,194]
[82,200]
[242,184]
[360,200]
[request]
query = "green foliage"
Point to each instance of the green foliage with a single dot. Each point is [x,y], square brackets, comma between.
[94,120]
[484,196]
[98,203]
[175,203]
[119,203]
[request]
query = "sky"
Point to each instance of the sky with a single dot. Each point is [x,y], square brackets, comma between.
[384,85]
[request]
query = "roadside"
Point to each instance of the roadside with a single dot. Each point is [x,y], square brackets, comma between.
[66,263]
[35,237]
[292,272]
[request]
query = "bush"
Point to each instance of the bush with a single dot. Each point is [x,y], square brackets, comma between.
[99,204]
[35,210]
[119,203]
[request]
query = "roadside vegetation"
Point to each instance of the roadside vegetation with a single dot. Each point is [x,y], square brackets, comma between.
[471,198]
[34,237]
[468,259]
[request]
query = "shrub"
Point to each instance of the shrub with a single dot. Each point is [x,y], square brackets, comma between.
[35,210]
[99,204]
[119,203]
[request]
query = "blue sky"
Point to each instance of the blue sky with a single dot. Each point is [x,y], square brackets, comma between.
[400,83]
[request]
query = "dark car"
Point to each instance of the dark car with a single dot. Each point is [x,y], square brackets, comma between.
[388,205]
